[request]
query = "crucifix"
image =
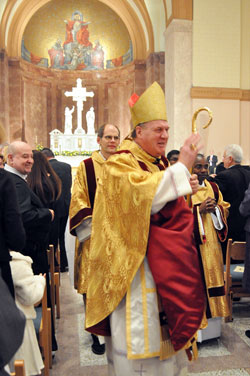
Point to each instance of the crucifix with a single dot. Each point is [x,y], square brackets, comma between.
[79,94]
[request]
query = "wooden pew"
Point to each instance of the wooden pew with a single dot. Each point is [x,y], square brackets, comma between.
[44,333]
[234,273]
[19,368]
[54,284]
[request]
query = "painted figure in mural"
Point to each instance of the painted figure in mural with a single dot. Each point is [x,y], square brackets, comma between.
[97,56]
[56,55]
[77,42]
[90,118]
[77,30]
[74,59]
[68,120]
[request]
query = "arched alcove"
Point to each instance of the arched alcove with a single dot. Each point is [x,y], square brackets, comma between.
[137,23]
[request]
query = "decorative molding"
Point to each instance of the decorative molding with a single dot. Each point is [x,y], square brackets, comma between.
[144,12]
[220,93]
[166,12]
[245,95]
[47,76]
[4,21]
[169,20]
[14,62]
[182,10]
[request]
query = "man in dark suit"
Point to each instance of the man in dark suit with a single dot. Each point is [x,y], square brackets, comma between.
[36,218]
[63,170]
[212,161]
[12,233]
[245,212]
[12,327]
[233,182]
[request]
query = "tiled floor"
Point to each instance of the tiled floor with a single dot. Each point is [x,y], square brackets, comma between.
[227,356]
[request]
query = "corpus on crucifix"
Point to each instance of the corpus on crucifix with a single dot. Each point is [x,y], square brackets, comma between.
[79,94]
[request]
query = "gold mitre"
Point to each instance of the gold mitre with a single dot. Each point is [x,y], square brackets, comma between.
[149,106]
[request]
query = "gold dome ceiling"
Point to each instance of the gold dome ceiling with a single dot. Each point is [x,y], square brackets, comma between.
[80,30]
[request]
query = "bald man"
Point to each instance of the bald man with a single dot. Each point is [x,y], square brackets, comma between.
[36,218]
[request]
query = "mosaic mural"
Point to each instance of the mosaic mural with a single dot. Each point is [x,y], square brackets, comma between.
[79,41]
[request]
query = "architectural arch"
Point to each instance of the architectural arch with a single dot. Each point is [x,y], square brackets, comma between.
[131,12]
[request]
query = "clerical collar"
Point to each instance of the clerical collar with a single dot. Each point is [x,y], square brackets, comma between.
[102,155]
[14,171]
[153,160]
[157,161]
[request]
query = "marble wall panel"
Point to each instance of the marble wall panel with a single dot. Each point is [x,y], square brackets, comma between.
[35,113]
[4,92]
[15,108]
[155,69]
[117,102]
[36,96]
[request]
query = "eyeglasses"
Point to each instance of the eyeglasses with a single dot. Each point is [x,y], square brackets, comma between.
[110,138]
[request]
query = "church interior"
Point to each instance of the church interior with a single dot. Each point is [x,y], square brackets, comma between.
[199,53]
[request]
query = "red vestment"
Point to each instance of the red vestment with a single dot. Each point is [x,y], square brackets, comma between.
[82,35]
[175,266]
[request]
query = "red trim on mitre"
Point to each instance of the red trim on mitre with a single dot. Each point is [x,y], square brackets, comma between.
[74,222]
[133,99]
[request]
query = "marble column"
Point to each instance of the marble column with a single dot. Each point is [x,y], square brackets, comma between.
[178,80]
[4,92]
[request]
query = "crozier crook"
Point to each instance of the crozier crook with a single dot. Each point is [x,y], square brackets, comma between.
[194,130]
[194,127]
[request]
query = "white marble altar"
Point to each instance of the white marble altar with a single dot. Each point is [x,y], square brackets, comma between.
[60,142]
[76,140]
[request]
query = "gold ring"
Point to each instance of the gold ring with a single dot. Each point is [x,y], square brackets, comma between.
[192,146]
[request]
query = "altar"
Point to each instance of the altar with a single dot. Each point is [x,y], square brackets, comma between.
[72,143]
[76,141]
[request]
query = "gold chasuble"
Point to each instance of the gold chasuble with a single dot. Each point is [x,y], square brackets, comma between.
[122,232]
[210,249]
[120,228]
[81,209]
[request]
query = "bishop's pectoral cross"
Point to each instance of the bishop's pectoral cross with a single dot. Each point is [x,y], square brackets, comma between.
[79,94]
